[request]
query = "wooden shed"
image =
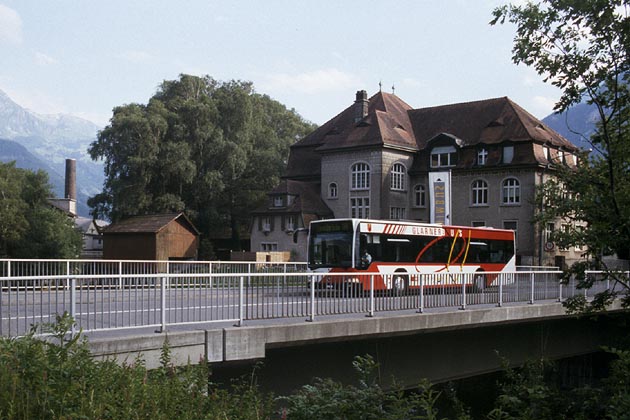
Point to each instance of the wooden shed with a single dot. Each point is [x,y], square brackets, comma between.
[151,237]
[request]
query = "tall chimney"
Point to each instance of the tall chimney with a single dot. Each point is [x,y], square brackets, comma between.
[71,179]
[360,106]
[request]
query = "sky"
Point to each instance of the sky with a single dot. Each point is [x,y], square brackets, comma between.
[85,57]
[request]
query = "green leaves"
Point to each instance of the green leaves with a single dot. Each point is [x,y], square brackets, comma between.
[213,149]
[582,47]
[29,226]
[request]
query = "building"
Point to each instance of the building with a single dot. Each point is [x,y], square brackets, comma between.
[470,164]
[152,237]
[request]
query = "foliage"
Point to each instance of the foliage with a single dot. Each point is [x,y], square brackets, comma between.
[58,379]
[328,399]
[212,149]
[29,226]
[582,47]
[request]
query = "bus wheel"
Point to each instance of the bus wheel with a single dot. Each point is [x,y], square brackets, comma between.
[479,282]
[400,284]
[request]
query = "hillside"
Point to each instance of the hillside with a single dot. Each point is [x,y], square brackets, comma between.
[577,124]
[47,141]
[12,151]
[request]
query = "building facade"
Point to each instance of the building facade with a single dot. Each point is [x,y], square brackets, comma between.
[470,164]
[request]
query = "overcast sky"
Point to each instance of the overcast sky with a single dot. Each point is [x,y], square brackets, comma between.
[84,57]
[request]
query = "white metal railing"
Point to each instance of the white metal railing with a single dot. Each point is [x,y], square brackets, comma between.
[112,295]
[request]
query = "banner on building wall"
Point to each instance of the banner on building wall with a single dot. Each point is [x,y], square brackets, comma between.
[440,196]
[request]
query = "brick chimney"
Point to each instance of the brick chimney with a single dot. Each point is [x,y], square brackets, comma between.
[360,106]
[71,179]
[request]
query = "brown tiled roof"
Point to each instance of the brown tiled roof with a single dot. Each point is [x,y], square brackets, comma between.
[387,123]
[152,223]
[489,121]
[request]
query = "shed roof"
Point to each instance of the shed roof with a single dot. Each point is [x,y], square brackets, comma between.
[150,223]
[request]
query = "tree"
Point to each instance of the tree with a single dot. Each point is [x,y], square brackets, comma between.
[29,226]
[212,149]
[582,47]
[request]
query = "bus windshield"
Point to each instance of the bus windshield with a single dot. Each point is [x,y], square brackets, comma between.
[330,245]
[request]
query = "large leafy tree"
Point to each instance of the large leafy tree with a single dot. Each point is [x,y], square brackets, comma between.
[582,47]
[29,226]
[210,148]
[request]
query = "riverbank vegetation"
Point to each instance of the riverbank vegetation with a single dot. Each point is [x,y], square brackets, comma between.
[56,378]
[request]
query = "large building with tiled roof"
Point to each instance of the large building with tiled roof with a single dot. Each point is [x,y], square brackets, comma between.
[382,159]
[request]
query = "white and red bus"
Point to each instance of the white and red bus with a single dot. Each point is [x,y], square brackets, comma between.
[399,252]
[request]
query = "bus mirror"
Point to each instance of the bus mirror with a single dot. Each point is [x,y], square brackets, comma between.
[295,234]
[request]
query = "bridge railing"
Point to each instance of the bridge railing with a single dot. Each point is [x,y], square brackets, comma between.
[113,295]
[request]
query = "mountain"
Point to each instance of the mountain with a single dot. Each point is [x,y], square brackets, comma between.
[577,124]
[49,140]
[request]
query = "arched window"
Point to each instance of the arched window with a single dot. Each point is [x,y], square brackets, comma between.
[419,196]
[479,193]
[360,176]
[332,190]
[398,175]
[511,191]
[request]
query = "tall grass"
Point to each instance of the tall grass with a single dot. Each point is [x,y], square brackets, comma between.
[58,379]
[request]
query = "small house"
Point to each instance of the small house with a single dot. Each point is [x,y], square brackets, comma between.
[160,237]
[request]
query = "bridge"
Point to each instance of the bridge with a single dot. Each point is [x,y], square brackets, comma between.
[230,313]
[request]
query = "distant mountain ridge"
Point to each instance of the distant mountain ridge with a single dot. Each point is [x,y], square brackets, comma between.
[576,124]
[48,141]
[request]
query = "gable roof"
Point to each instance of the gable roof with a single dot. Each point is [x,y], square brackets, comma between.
[151,223]
[386,124]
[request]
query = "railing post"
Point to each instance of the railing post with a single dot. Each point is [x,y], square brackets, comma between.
[120,279]
[162,304]
[501,281]
[421,294]
[531,276]
[73,303]
[312,314]
[240,300]
[559,291]
[462,276]
[371,313]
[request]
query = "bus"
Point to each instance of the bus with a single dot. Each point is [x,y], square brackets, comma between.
[392,255]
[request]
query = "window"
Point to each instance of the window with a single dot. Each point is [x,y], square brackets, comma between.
[419,196]
[478,223]
[332,190]
[482,156]
[443,156]
[546,152]
[479,191]
[512,225]
[266,224]
[398,177]
[508,154]
[268,246]
[549,228]
[277,201]
[397,213]
[289,223]
[511,191]
[360,207]
[360,176]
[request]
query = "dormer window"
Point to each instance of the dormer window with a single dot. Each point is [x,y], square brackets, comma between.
[546,152]
[277,201]
[482,156]
[443,156]
[508,154]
